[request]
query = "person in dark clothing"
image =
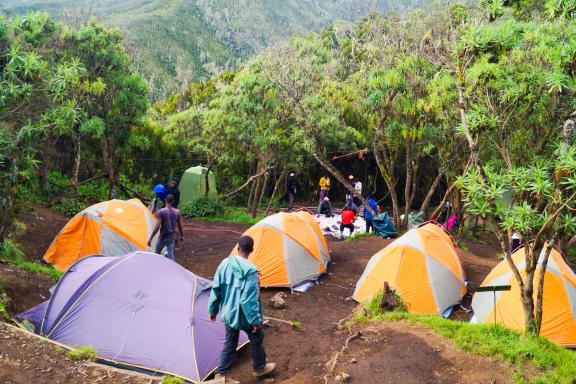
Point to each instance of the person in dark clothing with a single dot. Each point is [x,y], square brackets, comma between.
[172,189]
[168,220]
[369,216]
[291,187]
[325,208]
[351,206]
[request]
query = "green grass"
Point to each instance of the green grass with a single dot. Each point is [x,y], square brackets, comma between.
[359,236]
[233,215]
[555,364]
[10,253]
[83,353]
[3,306]
[172,380]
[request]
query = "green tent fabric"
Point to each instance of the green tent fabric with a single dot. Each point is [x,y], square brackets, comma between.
[193,184]
[383,226]
[415,219]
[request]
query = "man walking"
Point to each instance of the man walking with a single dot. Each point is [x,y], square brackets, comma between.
[168,219]
[291,187]
[236,295]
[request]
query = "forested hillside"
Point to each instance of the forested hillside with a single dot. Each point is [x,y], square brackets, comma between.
[179,41]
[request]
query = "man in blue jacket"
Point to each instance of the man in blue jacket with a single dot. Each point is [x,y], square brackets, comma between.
[367,215]
[236,295]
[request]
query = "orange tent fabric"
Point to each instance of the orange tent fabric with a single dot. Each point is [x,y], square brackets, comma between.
[558,307]
[289,249]
[424,268]
[110,228]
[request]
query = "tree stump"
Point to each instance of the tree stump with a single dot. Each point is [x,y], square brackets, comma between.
[389,301]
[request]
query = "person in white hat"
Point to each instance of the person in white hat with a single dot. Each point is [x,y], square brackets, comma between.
[291,189]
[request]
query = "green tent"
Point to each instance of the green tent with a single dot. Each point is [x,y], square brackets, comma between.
[193,184]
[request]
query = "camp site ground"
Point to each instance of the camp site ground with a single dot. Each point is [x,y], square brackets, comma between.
[396,353]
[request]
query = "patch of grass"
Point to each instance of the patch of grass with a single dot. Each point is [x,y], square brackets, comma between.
[172,380]
[4,303]
[235,215]
[297,326]
[462,246]
[83,353]
[556,364]
[359,236]
[10,253]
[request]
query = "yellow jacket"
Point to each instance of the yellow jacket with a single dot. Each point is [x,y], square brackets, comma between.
[325,183]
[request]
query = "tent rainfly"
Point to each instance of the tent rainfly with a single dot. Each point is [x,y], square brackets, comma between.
[289,249]
[110,228]
[138,311]
[424,268]
[559,300]
[193,184]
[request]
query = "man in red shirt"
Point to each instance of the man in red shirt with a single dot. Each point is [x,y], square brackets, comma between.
[347,220]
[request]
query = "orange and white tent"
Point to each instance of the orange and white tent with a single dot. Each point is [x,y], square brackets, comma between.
[423,267]
[110,228]
[289,249]
[559,300]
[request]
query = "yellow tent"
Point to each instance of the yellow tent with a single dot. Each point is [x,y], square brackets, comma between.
[289,249]
[424,268]
[559,305]
[110,228]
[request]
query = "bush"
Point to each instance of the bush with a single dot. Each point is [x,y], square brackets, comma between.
[203,207]
[70,207]
[82,354]
[9,252]
[93,192]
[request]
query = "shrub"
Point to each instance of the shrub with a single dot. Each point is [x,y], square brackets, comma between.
[94,191]
[70,207]
[82,354]
[202,207]
[9,252]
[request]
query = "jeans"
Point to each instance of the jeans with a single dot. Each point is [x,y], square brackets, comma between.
[169,244]
[228,355]
[368,224]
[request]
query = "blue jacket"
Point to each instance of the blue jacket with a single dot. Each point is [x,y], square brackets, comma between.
[236,294]
[374,207]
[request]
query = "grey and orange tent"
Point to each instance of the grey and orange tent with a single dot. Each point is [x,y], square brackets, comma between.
[559,298]
[424,268]
[110,228]
[289,249]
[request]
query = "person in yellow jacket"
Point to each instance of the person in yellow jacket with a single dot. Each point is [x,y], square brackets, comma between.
[324,187]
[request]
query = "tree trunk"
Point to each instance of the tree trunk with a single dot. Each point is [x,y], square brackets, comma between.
[390,183]
[408,186]
[262,192]
[254,208]
[528,302]
[444,200]
[76,169]
[540,292]
[207,179]
[277,184]
[426,203]
[251,196]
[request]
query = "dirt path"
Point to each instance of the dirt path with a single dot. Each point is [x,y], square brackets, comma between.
[398,355]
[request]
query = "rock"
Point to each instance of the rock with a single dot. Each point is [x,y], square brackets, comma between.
[343,377]
[277,301]
[353,360]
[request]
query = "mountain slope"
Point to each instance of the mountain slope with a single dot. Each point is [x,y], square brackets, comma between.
[176,41]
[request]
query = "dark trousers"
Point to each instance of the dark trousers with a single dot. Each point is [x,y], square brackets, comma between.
[291,197]
[228,355]
[349,226]
[369,225]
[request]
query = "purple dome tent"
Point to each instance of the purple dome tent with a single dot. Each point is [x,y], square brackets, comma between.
[139,311]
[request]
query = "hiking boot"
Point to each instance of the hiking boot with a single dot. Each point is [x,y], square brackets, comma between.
[268,369]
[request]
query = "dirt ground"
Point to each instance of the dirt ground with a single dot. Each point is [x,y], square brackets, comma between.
[394,353]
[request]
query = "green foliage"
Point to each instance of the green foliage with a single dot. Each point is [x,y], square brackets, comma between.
[554,363]
[11,253]
[82,353]
[203,208]
[70,207]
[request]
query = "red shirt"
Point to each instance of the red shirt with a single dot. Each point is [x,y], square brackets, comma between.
[347,217]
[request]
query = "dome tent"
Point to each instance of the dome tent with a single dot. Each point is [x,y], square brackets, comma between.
[192,184]
[138,311]
[109,228]
[424,268]
[559,300]
[289,249]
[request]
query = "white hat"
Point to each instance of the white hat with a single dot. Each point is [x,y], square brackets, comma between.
[326,199]
[350,177]
[292,174]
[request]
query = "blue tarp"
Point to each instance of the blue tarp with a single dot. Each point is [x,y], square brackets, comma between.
[383,226]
